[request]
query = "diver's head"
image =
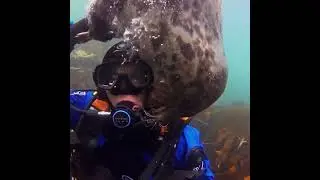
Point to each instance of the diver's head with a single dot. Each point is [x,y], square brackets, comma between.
[123,76]
[125,81]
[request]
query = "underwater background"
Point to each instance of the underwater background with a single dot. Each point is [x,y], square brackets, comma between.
[236,35]
[224,126]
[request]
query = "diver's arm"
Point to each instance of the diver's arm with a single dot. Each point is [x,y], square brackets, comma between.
[193,157]
[79,99]
[79,32]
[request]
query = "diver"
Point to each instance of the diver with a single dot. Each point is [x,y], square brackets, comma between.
[129,143]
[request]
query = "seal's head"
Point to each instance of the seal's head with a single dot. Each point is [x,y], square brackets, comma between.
[180,40]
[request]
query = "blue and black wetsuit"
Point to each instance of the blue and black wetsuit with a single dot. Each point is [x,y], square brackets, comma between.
[127,160]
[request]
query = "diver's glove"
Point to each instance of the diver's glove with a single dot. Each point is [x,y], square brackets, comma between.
[195,163]
[193,168]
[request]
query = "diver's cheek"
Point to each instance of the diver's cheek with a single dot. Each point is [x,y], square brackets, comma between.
[112,98]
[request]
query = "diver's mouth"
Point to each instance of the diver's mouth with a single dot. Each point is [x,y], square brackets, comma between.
[134,99]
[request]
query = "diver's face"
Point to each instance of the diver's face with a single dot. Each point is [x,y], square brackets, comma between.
[136,99]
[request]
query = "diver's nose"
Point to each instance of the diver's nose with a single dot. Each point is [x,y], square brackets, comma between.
[123,86]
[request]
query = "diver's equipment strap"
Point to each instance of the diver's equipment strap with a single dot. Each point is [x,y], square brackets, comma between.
[186,174]
[161,165]
[73,138]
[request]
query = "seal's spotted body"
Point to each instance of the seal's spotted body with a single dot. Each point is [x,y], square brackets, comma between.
[180,39]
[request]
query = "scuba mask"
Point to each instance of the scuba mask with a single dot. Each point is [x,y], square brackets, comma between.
[123,78]
[122,71]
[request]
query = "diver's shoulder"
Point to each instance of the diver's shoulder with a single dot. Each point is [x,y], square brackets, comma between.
[81,93]
[81,96]
[191,137]
[189,129]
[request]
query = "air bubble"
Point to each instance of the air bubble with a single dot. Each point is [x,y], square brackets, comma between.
[155,37]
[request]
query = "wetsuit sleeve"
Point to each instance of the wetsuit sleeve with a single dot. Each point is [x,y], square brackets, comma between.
[81,100]
[191,156]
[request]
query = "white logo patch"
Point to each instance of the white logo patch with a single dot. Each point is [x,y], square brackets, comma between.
[125,177]
[200,167]
[80,93]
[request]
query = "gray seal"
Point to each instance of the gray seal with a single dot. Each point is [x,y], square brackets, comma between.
[180,39]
